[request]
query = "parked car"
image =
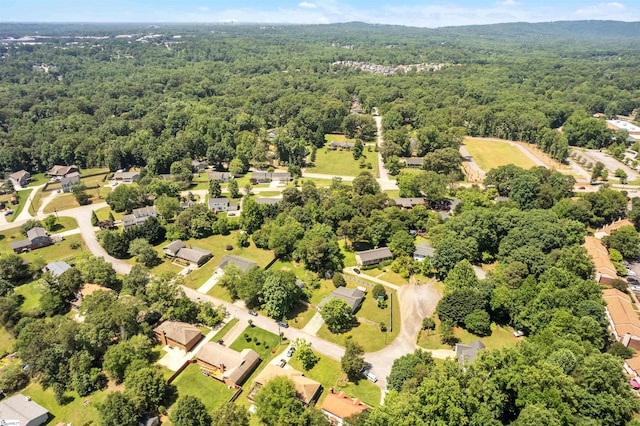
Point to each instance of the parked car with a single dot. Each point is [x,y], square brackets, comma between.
[221,342]
[282,324]
[356,270]
[632,280]
[8,212]
[635,288]
[518,333]
[370,376]
[290,351]
[252,312]
[630,273]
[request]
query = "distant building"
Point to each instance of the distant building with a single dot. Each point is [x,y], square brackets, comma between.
[178,334]
[59,172]
[353,296]
[373,257]
[56,268]
[220,176]
[341,146]
[245,264]
[20,178]
[415,162]
[20,410]
[409,203]
[267,201]
[222,204]
[605,271]
[69,180]
[337,406]
[630,128]
[178,249]
[138,216]
[468,353]
[126,177]
[86,290]
[275,176]
[36,238]
[422,251]
[199,165]
[307,390]
[227,365]
[625,326]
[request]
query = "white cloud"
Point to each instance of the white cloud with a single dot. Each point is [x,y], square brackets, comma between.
[307,5]
[509,3]
[203,9]
[610,10]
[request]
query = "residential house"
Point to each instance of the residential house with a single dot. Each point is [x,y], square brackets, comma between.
[272,134]
[307,390]
[186,204]
[415,162]
[468,353]
[275,176]
[227,365]
[148,419]
[373,257]
[36,238]
[56,268]
[409,203]
[220,176]
[353,296]
[607,230]
[178,334]
[126,177]
[341,146]
[199,165]
[58,171]
[337,406]
[222,205]
[605,271]
[69,180]
[138,216]
[21,410]
[267,201]
[245,264]
[446,208]
[86,290]
[423,250]
[20,178]
[194,255]
[624,324]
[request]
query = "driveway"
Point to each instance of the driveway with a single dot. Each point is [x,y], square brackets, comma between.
[176,357]
[385,182]
[610,163]
[314,324]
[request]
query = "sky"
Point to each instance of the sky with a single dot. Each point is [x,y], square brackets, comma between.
[425,13]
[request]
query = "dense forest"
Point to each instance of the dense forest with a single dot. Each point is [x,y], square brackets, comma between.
[164,93]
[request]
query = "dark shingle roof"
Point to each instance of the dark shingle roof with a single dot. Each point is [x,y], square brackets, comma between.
[245,264]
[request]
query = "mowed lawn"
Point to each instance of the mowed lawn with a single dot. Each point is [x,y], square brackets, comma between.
[211,392]
[492,154]
[13,234]
[501,337]
[328,372]
[260,341]
[31,292]
[341,163]
[6,341]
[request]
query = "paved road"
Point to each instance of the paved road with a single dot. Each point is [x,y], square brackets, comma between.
[24,214]
[385,182]
[610,163]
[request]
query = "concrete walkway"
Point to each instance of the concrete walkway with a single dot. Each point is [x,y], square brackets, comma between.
[234,333]
[211,282]
[314,324]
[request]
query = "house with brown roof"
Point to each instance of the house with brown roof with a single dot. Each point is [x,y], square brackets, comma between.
[624,323]
[59,171]
[307,390]
[20,178]
[605,271]
[614,226]
[227,365]
[178,334]
[337,406]
[86,290]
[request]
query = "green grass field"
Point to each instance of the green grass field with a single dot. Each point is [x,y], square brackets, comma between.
[501,337]
[261,341]
[210,391]
[31,292]
[23,194]
[386,274]
[491,154]
[341,163]
[6,342]
[80,411]
[328,372]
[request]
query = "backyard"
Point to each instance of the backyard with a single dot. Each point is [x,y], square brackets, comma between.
[210,391]
[31,293]
[22,199]
[6,341]
[342,163]
[490,154]
[501,337]
[328,372]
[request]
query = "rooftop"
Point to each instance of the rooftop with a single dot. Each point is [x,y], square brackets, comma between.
[22,409]
[57,268]
[236,365]
[352,296]
[177,331]
[424,249]
[468,353]
[340,405]
[375,254]
[306,388]
[245,264]
[623,317]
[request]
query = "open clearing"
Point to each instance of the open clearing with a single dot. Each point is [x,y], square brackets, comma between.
[210,391]
[489,154]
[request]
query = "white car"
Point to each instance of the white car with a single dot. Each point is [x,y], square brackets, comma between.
[630,273]
[635,288]
[518,333]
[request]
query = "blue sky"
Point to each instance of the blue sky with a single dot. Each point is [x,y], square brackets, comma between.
[425,13]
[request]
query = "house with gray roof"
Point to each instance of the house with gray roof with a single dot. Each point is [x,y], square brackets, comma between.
[126,177]
[36,238]
[352,296]
[423,250]
[58,171]
[416,162]
[56,268]
[220,176]
[199,165]
[468,353]
[245,264]
[409,203]
[69,180]
[373,257]
[267,201]
[20,178]
[222,204]
[21,410]
[179,250]
[342,146]
[138,216]
[278,175]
